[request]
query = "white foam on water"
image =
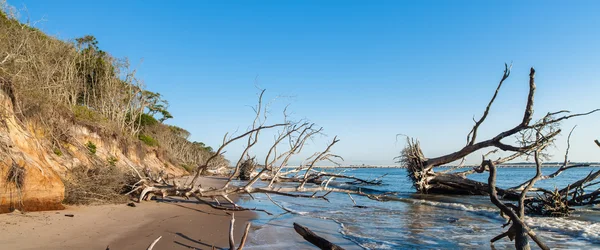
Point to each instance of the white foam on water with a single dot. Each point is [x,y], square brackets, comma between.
[375,245]
[288,205]
[591,209]
[488,212]
[569,233]
[587,230]
[455,206]
[363,241]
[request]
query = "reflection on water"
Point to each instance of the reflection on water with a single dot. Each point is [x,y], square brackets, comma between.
[417,223]
[425,221]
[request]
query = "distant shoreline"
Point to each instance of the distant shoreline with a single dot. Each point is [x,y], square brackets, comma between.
[508,165]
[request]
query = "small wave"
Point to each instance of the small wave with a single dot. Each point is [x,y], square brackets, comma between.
[286,206]
[589,209]
[365,242]
[455,206]
[490,213]
[589,231]
[374,245]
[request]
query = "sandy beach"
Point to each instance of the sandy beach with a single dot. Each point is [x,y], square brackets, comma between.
[182,225]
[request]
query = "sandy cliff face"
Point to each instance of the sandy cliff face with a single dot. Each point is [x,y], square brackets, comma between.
[24,164]
[30,173]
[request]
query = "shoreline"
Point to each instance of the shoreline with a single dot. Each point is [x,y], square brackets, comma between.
[182,225]
[279,233]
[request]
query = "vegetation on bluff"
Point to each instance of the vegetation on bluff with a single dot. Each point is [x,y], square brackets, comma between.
[56,86]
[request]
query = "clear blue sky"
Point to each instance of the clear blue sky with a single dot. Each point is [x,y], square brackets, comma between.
[365,70]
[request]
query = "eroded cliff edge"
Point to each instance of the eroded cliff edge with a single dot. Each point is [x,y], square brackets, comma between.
[32,173]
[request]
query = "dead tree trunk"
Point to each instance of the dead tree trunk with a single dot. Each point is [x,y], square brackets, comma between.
[445,183]
[311,184]
[421,170]
[519,231]
[313,238]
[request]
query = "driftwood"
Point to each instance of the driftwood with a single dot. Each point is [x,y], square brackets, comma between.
[321,178]
[518,230]
[311,184]
[531,137]
[313,238]
[154,243]
[244,237]
[246,169]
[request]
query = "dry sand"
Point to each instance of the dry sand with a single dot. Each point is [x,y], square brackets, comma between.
[182,225]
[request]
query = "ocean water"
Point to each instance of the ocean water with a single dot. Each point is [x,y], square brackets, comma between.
[418,221]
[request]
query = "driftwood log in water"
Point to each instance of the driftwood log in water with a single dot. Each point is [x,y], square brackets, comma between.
[422,170]
[310,182]
[320,177]
[313,238]
[532,140]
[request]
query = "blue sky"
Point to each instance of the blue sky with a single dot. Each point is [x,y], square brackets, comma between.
[364,70]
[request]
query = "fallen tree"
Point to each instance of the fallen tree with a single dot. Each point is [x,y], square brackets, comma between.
[530,137]
[314,183]
[311,183]
[532,140]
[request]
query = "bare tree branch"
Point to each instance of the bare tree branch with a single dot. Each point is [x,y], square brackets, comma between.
[318,158]
[473,134]
[421,168]
[562,168]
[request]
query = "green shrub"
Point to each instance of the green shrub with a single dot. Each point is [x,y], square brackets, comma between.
[202,146]
[146,120]
[57,152]
[148,140]
[83,113]
[187,167]
[112,161]
[179,131]
[91,147]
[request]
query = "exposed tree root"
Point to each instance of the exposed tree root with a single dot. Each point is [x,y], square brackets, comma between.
[531,137]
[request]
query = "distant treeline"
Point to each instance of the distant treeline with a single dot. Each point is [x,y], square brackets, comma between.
[507,165]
